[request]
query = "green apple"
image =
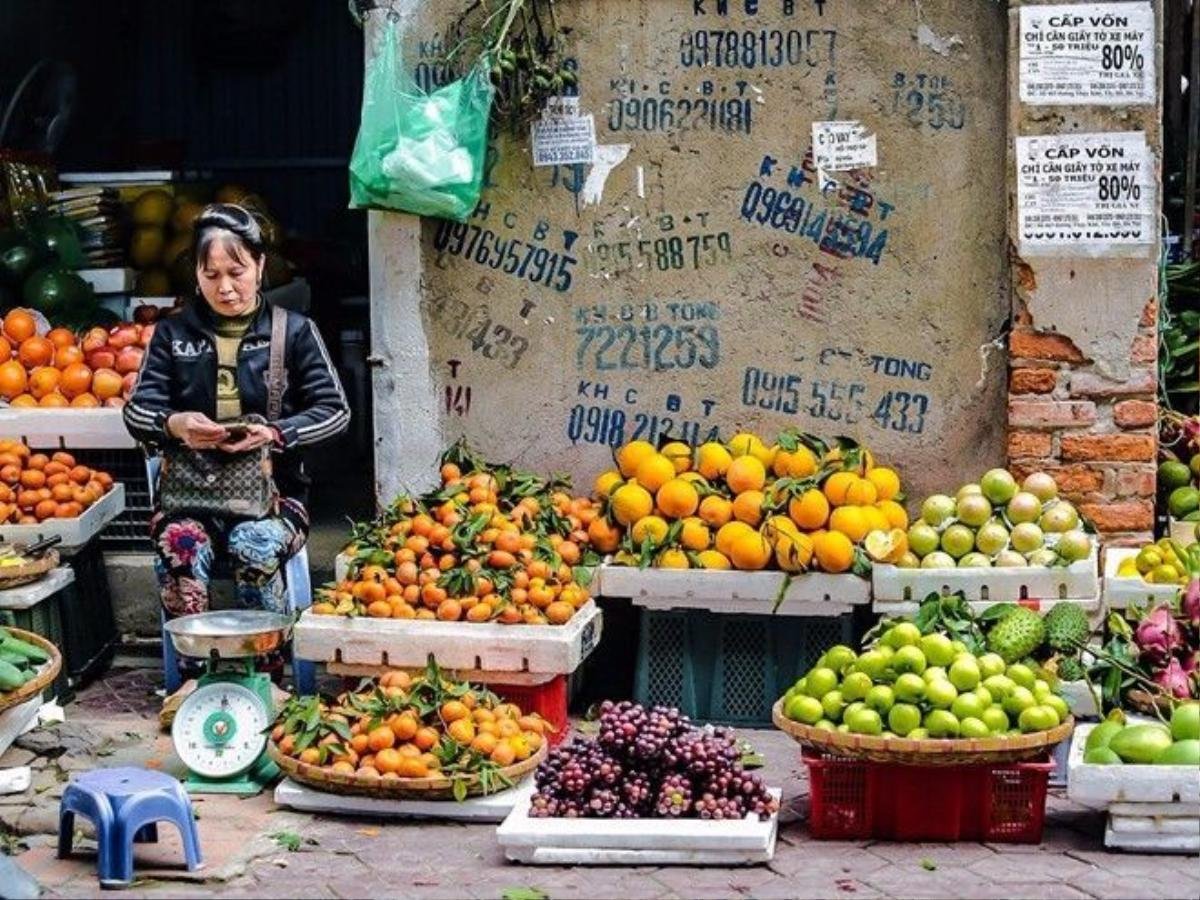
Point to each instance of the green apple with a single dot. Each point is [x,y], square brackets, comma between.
[991,664]
[903,718]
[995,719]
[938,649]
[968,706]
[1010,559]
[971,727]
[938,560]
[974,561]
[825,725]
[909,687]
[1021,674]
[1037,718]
[958,540]
[805,709]
[1041,486]
[833,704]
[1019,700]
[1027,537]
[999,686]
[935,673]
[942,724]
[985,696]
[873,664]
[855,686]
[902,634]
[853,708]
[919,734]
[974,510]
[820,682]
[937,508]
[864,721]
[1023,509]
[1058,704]
[922,538]
[941,694]
[991,538]
[1041,688]
[998,485]
[964,673]
[968,490]
[838,658]
[880,698]
[909,659]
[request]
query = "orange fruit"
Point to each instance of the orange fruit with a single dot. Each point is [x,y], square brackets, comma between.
[54,399]
[680,455]
[810,510]
[746,473]
[85,399]
[747,506]
[850,521]
[694,534]
[886,481]
[35,351]
[76,380]
[833,550]
[425,738]
[381,738]
[712,559]
[23,400]
[895,514]
[677,499]
[453,710]
[388,760]
[462,730]
[712,460]
[837,486]
[798,463]
[861,492]
[5,349]
[61,337]
[13,379]
[716,511]
[19,325]
[44,380]
[629,503]
[633,455]
[655,471]
[504,754]
[750,551]
[411,767]
[67,356]
[559,612]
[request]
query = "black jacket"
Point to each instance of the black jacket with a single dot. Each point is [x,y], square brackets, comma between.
[179,374]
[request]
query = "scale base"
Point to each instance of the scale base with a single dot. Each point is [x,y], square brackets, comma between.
[257,779]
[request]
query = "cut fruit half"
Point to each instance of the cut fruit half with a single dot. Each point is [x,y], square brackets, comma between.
[886,546]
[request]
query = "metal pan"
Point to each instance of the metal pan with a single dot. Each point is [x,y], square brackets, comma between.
[229,634]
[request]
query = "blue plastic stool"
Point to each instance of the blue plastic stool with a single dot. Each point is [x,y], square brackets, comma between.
[125,804]
[298,586]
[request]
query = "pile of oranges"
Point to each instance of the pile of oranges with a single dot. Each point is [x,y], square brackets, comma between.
[35,487]
[491,544]
[61,369]
[401,726]
[795,504]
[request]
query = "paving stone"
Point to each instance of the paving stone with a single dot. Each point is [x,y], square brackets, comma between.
[1033,867]
[1104,884]
[830,859]
[938,853]
[16,756]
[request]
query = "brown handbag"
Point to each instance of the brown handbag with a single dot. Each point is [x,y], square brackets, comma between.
[214,483]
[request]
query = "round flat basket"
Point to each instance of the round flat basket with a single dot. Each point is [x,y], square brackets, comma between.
[27,572]
[932,752]
[45,676]
[433,788]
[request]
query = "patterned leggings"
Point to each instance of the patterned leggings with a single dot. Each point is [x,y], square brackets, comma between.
[185,549]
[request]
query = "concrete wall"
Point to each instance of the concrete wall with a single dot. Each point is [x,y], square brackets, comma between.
[1084,347]
[690,308]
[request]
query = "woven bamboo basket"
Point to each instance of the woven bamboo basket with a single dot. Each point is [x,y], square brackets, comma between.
[433,788]
[932,752]
[39,682]
[27,572]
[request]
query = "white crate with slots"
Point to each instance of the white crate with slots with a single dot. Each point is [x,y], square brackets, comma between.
[74,532]
[538,652]
[813,594]
[492,808]
[636,842]
[1122,592]
[67,429]
[1077,581]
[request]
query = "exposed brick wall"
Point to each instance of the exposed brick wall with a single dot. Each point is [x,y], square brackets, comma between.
[1096,436]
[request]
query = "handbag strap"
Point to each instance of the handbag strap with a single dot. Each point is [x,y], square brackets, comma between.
[275,374]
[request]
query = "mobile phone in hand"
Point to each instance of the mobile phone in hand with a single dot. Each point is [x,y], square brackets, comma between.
[236,433]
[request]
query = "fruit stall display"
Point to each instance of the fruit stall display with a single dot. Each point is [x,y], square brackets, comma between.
[932,707]
[60,369]
[36,487]
[1144,772]
[1179,480]
[1153,572]
[994,539]
[645,773]
[399,736]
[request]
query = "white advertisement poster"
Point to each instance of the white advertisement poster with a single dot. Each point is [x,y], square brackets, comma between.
[841,146]
[1086,194]
[563,137]
[1087,54]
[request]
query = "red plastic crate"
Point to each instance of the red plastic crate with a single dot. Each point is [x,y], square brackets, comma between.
[856,800]
[548,700]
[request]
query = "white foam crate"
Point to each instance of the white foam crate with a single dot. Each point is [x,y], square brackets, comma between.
[812,594]
[636,842]
[492,808]
[1150,842]
[1088,783]
[1183,532]
[74,532]
[1084,700]
[1120,593]
[461,646]
[28,596]
[67,429]
[1136,824]
[1078,581]
[1156,810]
[1093,607]
[15,720]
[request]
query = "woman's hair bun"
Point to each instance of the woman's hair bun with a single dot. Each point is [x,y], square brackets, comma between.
[230,219]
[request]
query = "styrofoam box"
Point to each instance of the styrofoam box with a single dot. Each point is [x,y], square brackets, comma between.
[15,720]
[1130,784]
[1152,842]
[812,594]
[28,596]
[74,532]
[1093,607]
[67,429]
[492,808]
[1084,700]
[1183,532]
[1120,593]
[486,646]
[109,281]
[1077,581]
[636,842]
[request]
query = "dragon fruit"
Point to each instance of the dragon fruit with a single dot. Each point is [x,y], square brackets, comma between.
[1174,680]
[1191,664]
[1189,602]
[1157,635]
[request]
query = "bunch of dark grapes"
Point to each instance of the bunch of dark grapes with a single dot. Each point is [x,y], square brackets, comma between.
[674,796]
[662,725]
[620,725]
[637,790]
[603,803]
[703,752]
[718,807]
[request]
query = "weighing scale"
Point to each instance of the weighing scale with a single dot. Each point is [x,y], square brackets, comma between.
[220,730]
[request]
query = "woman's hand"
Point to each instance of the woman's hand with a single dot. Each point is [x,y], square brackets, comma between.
[257,435]
[196,430]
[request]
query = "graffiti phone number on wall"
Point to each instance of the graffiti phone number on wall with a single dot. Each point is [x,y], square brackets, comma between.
[512,256]
[659,348]
[765,48]
[608,426]
[661,254]
[665,114]
[833,401]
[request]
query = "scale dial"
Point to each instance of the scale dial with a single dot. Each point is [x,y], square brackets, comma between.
[218,730]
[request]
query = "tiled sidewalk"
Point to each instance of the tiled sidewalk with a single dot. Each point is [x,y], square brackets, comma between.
[114,723]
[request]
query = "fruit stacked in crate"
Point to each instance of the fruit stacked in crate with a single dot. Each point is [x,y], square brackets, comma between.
[1179,484]
[1145,773]
[35,487]
[794,504]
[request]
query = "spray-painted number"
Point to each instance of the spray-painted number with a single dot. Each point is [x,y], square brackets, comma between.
[606,348]
[519,259]
[902,411]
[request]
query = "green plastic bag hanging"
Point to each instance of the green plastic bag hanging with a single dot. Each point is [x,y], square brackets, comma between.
[420,152]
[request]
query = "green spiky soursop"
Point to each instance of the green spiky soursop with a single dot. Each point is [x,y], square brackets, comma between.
[1066,624]
[1070,669]
[1017,635]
